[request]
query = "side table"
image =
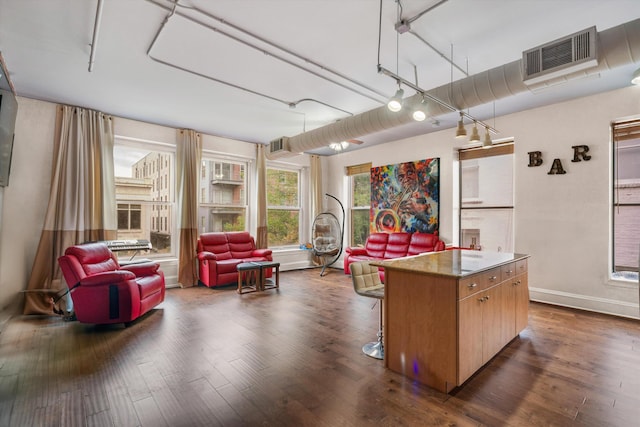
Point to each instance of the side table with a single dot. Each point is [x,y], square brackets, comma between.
[251,276]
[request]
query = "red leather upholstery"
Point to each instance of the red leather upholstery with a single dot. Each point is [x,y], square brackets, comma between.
[381,246]
[102,291]
[219,254]
[397,245]
[425,242]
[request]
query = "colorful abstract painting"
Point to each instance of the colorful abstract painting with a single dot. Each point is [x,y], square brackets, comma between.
[405,197]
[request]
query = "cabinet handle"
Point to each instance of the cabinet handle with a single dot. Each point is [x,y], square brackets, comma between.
[472,285]
[486,298]
[492,278]
[509,271]
[481,299]
[517,283]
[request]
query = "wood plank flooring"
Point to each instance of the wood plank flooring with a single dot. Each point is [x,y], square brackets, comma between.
[292,357]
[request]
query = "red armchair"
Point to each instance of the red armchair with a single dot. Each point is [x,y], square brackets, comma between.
[104,292]
[219,253]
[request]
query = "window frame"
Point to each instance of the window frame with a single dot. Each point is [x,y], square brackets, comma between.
[622,130]
[165,203]
[352,173]
[218,160]
[301,223]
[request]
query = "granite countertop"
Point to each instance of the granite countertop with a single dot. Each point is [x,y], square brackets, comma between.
[454,262]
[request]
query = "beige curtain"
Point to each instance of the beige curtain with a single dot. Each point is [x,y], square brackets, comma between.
[262,239]
[188,157]
[82,203]
[315,182]
[316,185]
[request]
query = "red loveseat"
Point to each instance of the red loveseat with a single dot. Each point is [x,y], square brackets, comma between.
[380,246]
[219,253]
[104,292]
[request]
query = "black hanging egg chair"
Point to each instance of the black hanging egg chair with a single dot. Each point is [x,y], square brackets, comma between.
[327,235]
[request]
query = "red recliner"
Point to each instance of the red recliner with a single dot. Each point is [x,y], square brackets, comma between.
[219,254]
[104,292]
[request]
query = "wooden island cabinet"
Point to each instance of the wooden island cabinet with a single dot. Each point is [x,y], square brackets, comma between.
[448,313]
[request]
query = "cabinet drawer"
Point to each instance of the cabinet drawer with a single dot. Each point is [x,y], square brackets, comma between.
[521,266]
[508,271]
[478,282]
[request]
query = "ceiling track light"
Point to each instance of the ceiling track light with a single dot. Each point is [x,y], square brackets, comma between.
[420,112]
[461,131]
[475,136]
[395,103]
[339,146]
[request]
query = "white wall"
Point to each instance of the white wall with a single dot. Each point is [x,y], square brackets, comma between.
[562,221]
[24,201]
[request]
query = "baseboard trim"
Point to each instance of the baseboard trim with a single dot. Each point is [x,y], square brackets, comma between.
[583,302]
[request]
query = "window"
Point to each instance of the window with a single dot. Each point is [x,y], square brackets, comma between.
[145,206]
[360,186]
[223,199]
[129,216]
[626,199]
[486,192]
[283,207]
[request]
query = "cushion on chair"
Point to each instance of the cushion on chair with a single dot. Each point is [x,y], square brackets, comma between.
[376,244]
[241,244]
[423,242]
[397,245]
[215,243]
[366,280]
[93,257]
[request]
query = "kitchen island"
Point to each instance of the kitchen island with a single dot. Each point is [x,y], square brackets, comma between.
[446,314]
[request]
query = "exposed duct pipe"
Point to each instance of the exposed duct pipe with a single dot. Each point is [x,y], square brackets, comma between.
[617,46]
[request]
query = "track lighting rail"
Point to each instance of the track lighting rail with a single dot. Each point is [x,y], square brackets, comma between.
[425,94]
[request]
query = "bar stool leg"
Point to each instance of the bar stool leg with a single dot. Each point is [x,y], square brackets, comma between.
[376,349]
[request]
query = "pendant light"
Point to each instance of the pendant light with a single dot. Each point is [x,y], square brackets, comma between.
[461,131]
[475,136]
[487,142]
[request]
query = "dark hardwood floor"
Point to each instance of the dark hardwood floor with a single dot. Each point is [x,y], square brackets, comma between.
[292,357]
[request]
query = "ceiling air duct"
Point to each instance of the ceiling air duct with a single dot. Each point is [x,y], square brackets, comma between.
[615,47]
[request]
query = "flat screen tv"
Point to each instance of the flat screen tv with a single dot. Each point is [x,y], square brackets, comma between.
[8,113]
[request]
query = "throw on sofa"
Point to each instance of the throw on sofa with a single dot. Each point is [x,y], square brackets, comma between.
[104,292]
[219,253]
[381,246]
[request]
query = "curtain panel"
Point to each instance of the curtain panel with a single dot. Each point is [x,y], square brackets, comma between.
[82,203]
[188,158]
[262,238]
[316,195]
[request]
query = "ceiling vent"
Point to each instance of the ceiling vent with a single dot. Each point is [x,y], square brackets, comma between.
[279,147]
[561,57]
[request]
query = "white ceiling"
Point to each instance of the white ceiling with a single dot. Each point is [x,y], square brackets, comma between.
[232,67]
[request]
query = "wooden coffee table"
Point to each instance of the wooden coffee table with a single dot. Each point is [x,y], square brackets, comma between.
[251,276]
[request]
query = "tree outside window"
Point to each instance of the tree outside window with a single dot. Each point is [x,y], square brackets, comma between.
[283,207]
[361,201]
